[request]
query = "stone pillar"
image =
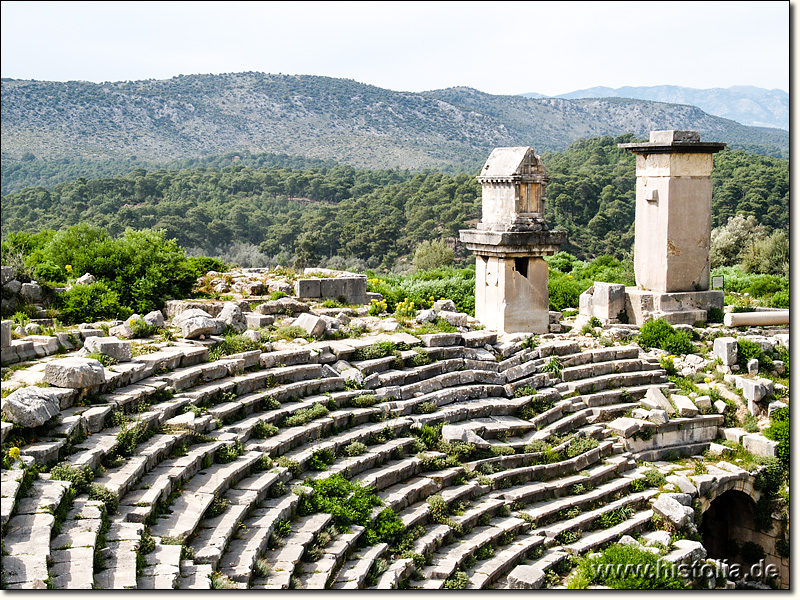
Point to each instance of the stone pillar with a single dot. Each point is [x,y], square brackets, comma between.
[510,243]
[673,227]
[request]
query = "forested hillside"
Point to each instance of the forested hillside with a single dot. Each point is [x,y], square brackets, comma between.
[56,131]
[376,216]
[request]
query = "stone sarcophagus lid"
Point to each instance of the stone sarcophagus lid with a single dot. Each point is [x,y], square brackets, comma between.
[510,243]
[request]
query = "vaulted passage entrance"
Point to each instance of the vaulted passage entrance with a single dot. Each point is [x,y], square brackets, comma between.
[727,524]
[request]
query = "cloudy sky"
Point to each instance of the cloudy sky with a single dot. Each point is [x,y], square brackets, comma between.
[496,47]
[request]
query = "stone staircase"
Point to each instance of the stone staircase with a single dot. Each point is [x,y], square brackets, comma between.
[209,487]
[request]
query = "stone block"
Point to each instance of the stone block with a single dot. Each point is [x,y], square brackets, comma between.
[686,408]
[31,406]
[76,373]
[233,317]
[154,318]
[32,292]
[752,367]
[671,510]
[683,483]
[6,274]
[312,324]
[776,405]
[5,333]
[455,433]
[258,321]
[110,346]
[734,434]
[658,417]
[703,403]
[446,305]
[654,399]
[526,577]
[727,350]
[307,288]
[626,427]
[759,445]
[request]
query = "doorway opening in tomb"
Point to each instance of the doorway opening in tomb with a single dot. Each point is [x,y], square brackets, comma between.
[728,525]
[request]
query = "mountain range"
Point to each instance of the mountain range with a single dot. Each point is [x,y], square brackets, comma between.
[747,105]
[340,120]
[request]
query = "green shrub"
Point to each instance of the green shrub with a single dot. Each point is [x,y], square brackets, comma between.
[553,367]
[579,445]
[432,255]
[747,351]
[660,334]
[107,497]
[230,452]
[430,436]
[373,351]
[263,430]
[321,458]
[750,424]
[385,528]
[355,449]
[458,581]
[79,477]
[305,416]
[778,431]
[233,343]
[424,408]
[752,552]
[89,303]
[652,572]
[346,501]
[654,478]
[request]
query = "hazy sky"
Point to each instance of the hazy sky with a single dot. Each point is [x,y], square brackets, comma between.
[496,47]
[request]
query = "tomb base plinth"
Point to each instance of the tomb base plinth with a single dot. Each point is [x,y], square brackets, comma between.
[674,307]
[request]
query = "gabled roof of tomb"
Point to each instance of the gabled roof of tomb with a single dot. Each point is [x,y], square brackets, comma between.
[512,164]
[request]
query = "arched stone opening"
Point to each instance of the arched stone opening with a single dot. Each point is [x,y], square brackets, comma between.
[728,524]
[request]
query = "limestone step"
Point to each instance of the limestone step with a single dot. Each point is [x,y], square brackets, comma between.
[449,558]
[194,577]
[122,540]
[239,558]
[162,568]
[319,574]
[394,574]
[589,542]
[353,574]
[198,494]
[10,480]
[585,520]
[483,574]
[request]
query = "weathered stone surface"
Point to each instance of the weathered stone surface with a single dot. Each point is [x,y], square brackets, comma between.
[685,406]
[76,373]
[526,577]
[775,405]
[671,510]
[33,329]
[194,322]
[727,350]
[312,324]
[284,306]
[655,399]
[6,274]
[232,316]
[154,318]
[455,433]
[31,406]
[626,427]
[5,333]
[446,305]
[759,445]
[703,403]
[658,416]
[257,321]
[123,331]
[662,538]
[752,367]
[110,346]
[426,316]
[32,292]
[86,279]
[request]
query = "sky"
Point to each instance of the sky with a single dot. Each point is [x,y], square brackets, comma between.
[496,47]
